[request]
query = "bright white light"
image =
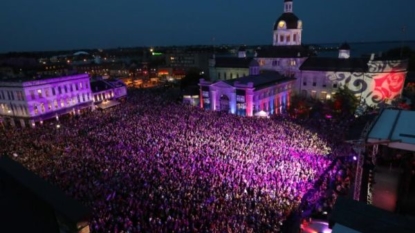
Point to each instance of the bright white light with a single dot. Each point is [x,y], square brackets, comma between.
[354,158]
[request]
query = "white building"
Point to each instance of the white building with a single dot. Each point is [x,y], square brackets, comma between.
[373,79]
[29,101]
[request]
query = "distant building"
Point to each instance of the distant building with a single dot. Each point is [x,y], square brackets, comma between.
[30,101]
[181,61]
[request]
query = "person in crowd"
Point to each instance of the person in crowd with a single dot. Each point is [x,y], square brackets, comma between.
[153,165]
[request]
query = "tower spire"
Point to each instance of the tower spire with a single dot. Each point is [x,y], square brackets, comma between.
[288,6]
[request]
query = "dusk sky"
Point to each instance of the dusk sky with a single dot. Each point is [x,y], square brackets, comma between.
[28,25]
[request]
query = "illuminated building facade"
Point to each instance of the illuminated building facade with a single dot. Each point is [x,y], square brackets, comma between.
[265,91]
[34,100]
[373,80]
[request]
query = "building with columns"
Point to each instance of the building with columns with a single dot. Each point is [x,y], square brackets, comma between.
[31,101]
[372,79]
[266,91]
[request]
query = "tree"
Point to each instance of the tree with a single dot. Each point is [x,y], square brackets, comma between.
[344,101]
[405,53]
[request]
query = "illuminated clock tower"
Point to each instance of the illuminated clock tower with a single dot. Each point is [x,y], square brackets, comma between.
[288,27]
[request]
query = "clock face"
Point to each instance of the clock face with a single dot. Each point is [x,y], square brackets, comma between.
[281,24]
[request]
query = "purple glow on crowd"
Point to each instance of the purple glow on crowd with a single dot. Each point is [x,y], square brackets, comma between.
[152,165]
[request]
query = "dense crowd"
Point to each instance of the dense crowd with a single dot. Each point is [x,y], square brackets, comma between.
[153,165]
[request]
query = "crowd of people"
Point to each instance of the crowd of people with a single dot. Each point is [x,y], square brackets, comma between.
[154,165]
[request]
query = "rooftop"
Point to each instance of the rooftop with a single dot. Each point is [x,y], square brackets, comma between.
[335,64]
[234,62]
[264,79]
[283,51]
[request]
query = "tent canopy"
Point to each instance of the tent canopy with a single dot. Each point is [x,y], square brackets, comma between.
[394,128]
[108,104]
[261,113]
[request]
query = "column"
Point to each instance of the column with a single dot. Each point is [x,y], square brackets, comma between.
[213,100]
[22,123]
[249,103]
[12,123]
[232,102]
[201,98]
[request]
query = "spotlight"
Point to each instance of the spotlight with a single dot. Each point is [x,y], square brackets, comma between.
[354,158]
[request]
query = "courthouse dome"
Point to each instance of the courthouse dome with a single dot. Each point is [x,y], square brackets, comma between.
[290,19]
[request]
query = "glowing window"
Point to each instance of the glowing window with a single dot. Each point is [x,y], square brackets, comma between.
[281,24]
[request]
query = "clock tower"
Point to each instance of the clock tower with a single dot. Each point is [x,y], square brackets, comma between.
[288,27]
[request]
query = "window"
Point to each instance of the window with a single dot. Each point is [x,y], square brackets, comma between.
[281,38]
[205,94]
[65,88]
[62,103]
[314,81]
[76,87]
[42,107]
[60,90]
[32,94]
[293,63]
[80,85]
[20,96]
[230,76]
[53,91]
[295,37]
[304,83]
[275,63]
[49,106]
[240,98]
[334,85]
[71,87]
[55,102]
[288,38]
[218,75]
[224,76]
[313,94]
[47,92]
[323,95]
[35,110]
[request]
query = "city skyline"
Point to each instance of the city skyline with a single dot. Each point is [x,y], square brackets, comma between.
[48,25]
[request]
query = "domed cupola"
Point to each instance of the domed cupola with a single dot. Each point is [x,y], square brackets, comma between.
[344,51]
[288,27]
